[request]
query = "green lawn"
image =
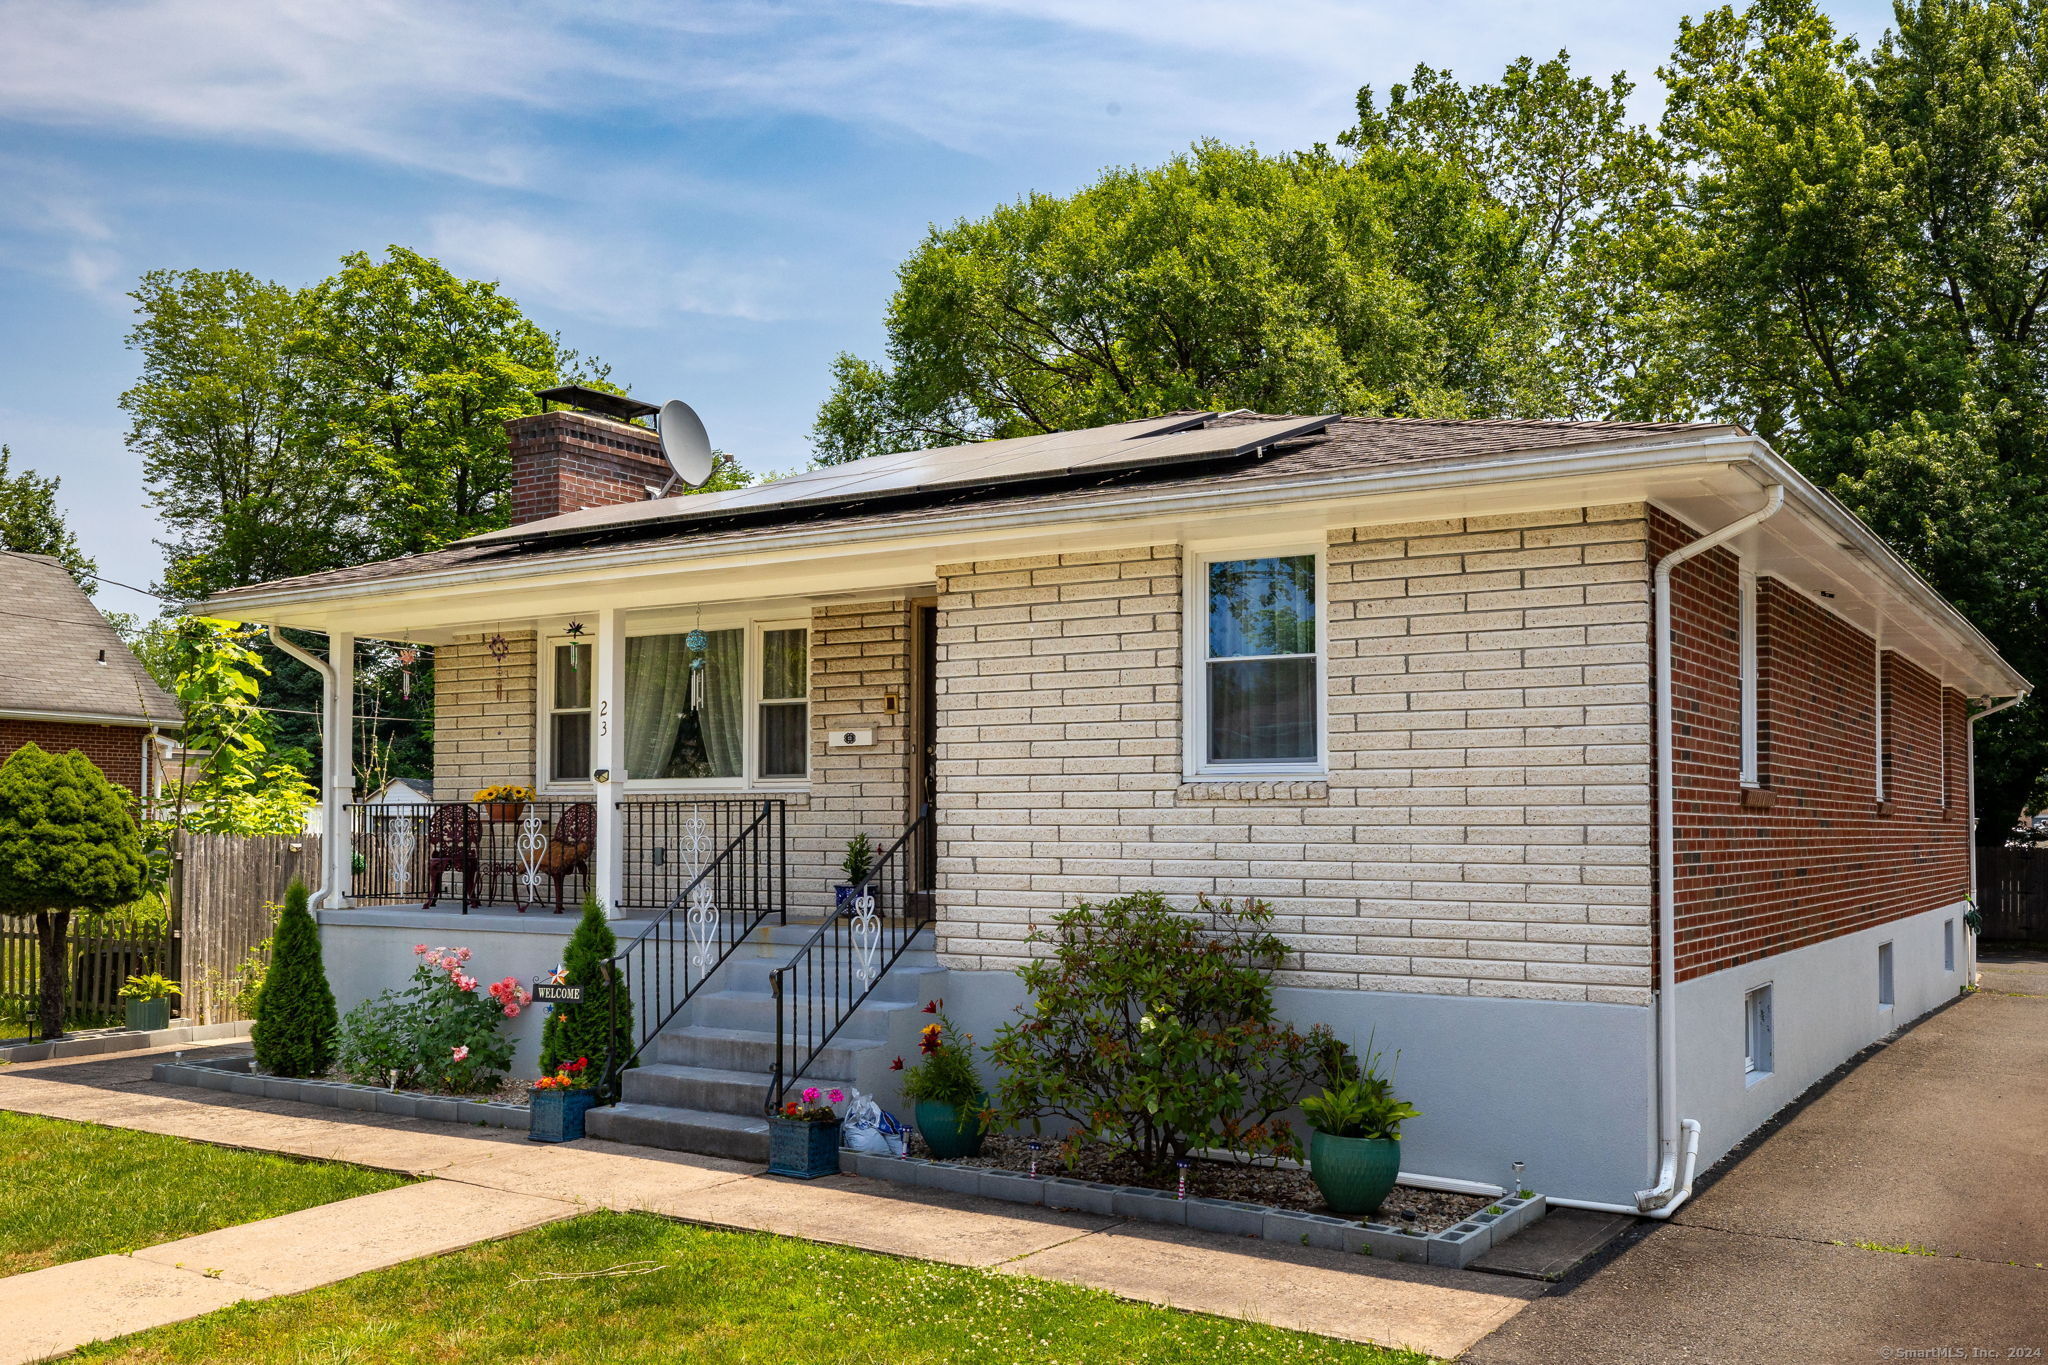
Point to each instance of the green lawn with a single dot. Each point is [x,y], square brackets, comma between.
[710,1297]
[72,1190]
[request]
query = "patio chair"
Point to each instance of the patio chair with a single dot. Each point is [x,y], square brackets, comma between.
[570,845]
[454,837]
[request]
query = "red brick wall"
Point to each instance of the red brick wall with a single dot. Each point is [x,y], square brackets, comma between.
[1824,858]
[563,461]
[115,749]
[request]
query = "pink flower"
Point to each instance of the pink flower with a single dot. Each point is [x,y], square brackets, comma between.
[836,1096]
[464,983]
[511,1011]
[420,949]
[462,953]
[810,1094]
[461,1054]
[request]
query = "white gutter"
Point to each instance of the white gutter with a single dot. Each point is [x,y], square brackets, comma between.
[334,745]
[1678,1139]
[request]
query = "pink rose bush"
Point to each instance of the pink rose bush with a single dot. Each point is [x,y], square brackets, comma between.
[443,1032]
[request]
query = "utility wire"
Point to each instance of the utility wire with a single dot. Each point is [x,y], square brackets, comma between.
[96,577]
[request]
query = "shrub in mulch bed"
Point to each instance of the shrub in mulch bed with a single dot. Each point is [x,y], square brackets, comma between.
[1280,1187]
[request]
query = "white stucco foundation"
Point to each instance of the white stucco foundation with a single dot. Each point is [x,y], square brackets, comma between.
[1824,1010]
[371,950]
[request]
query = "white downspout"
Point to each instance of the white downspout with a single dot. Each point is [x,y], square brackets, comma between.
[337,770]
[1970,812]
[1678,1139]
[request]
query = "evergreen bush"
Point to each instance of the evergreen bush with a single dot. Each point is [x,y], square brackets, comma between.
[68,843]
[585,1030]
[294,1030]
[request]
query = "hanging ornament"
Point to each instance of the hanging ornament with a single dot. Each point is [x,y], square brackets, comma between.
[695,642]
[499,647]
[574,630]
[406,659]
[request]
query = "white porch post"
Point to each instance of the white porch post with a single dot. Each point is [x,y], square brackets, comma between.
[338,762]
[607,758]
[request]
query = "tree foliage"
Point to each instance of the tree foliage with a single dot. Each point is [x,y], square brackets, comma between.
[31,524]
[68,843]
[235,781]
[293,1034]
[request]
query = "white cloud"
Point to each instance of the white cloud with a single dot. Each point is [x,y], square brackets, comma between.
[588,270]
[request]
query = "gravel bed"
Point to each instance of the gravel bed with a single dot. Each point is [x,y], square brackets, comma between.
[1280,1187]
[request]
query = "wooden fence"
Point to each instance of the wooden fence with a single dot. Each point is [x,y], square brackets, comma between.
[225,890]
[100,955]
[2012,893]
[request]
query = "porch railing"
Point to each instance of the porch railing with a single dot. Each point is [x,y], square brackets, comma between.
[838,966]
[463,854]
[668,961]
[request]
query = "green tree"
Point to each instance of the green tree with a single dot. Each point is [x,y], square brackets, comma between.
[68,844]
[30,522]
[586,1030]
[235,451]
[295,1019]
[236,780]
[1858,247]
[1384,283]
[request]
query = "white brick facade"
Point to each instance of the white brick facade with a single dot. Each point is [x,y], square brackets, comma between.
[1484,827]
[483,715]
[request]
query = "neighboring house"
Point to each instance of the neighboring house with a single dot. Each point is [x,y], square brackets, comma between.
[1403,679]
[67,682]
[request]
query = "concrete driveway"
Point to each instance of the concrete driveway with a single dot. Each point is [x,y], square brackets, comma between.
[1936,1145]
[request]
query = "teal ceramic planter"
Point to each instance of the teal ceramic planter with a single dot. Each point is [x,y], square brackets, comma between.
[147,1016]
[804,1150]
[1354,1174]
[557,1115]
[951,1130]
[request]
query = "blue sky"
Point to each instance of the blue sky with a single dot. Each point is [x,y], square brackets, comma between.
[711,197]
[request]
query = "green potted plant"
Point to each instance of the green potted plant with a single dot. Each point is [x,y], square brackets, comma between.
[803,1135]
[947,1095]
[1355,1154]
[858,862]
[558,1102]
[148,998]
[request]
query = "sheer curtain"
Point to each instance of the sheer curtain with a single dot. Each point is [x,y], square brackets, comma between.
[657,695]
[724,715]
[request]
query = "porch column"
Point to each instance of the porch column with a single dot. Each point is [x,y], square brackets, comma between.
[607,757]
[337,754]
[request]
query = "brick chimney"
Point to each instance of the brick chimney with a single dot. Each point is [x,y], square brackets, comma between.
[565,461]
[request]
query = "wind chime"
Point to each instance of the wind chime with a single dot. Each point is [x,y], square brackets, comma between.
[500,647]
[695,642]
[407,657]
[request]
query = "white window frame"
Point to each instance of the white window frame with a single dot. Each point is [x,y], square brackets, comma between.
[544,693]
[1195,764]
[680,623]
[1887,976]
[1759,1033]
[1747,667]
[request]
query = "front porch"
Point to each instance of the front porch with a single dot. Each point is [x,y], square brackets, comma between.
[540,855]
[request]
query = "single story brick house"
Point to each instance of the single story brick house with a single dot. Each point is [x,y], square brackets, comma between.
[1612,774]
[68,682]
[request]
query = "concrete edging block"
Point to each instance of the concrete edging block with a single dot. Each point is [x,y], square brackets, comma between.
[1306,1229]
[1013,1187]
[1151,1206]
[941,1175]
[1082,1196]
[1457,1247]
[1231,1217]
[235,1074]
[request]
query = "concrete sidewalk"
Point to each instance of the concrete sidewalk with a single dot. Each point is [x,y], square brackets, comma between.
[1425,1308]
[1937,1143]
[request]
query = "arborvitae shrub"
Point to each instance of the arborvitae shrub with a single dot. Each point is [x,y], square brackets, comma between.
[294,1030]
[573,1031]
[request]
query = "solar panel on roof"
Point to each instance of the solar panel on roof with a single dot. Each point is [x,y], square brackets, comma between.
[1123,445]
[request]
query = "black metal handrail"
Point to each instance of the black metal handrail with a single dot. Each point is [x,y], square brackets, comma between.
[839,965]
[670,960]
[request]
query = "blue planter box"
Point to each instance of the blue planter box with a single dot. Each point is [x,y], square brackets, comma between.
[558,1114]
[804,1150]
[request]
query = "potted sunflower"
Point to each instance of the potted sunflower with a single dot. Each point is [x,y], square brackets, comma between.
[506,802]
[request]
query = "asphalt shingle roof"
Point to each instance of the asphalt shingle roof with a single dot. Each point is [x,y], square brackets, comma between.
[51,638]
[1350,443]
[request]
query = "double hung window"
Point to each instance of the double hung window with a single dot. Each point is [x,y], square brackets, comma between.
[1257,685]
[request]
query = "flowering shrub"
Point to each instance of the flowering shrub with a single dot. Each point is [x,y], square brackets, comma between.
[946,1073]
[815,1106]
[1153,1034]
[440,1033]
[570,1076]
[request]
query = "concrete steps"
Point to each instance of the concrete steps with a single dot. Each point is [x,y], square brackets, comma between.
[702,1083]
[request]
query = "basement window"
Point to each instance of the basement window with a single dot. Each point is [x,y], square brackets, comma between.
[1948,945]
[1884,976]
[1756,1034]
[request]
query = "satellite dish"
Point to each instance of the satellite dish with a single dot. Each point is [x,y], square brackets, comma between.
[684,443]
